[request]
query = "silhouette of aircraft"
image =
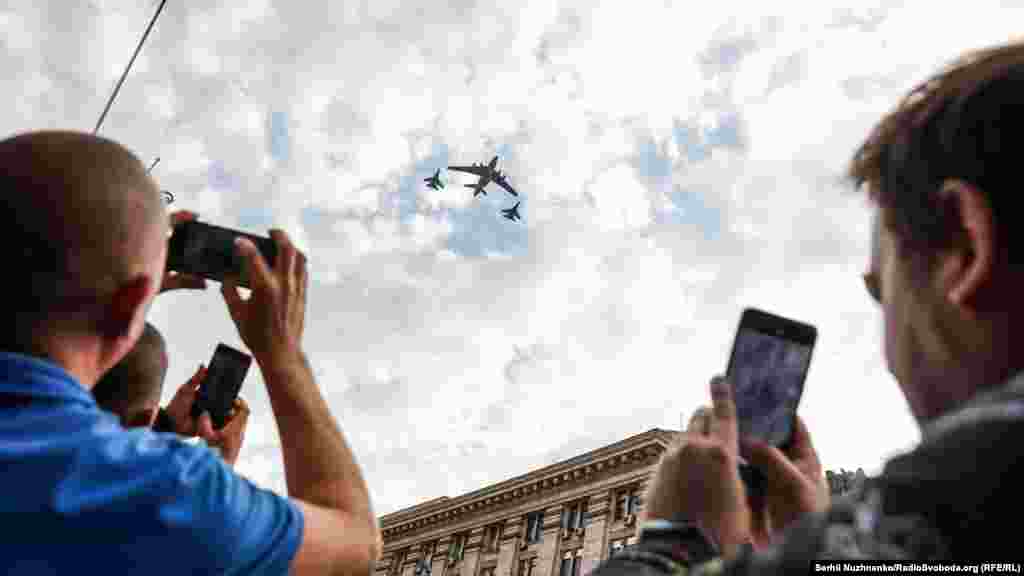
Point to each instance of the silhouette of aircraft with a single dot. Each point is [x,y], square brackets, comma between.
[434,181]
[486,173]
[511,213]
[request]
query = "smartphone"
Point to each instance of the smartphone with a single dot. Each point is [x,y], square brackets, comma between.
[223,382]
[209,251]
[768,365]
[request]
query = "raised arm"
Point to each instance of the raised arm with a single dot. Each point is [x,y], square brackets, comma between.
[341,535]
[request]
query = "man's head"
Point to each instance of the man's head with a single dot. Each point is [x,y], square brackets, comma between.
[85,232]
[132,388]
[943,169]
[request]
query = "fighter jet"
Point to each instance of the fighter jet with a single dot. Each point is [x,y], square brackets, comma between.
[487,173]
[511,213]
[434,181]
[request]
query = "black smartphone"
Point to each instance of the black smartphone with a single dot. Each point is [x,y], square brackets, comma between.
[767,367]
[223,382]
[209,251]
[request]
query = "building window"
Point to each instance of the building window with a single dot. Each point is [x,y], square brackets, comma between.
[489,571]
[492,537]
[534,522]
[428,550]
[397,561]
[527,566]
[574,515]
[571,563]
[457,547]
[626,502]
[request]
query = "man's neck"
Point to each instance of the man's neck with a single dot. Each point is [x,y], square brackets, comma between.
[77,356]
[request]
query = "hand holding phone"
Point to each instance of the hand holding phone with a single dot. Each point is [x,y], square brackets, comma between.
[208,251]
[768,366]
[223,382]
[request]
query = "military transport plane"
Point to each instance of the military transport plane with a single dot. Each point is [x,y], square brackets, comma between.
[511,213]
[487,173]
[434,181]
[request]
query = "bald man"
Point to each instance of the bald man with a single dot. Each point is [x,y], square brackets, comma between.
[86,237]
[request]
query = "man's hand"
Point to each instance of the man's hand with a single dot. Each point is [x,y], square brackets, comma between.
[229,438]
[177,280]
[180,408]
[272,319]
[795,484]
[698,478]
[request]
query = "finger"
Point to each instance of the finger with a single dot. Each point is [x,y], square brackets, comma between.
[724,411]
[190,281]
[233,299]
[801,447]
[177,281]
[303,276]
[205,429]
[699,422]
[777,468]
[182,216]
[193,383]
[259,272]
[287,255]
[179,216]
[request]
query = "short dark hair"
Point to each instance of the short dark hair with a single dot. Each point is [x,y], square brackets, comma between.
[137,378]
[966,123]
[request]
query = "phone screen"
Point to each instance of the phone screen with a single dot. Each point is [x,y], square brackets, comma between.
[768,374]
[222,384]
[209,251]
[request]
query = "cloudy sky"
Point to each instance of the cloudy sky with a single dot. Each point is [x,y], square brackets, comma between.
[674,167]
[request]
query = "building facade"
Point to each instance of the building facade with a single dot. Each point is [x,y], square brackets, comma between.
[561,520]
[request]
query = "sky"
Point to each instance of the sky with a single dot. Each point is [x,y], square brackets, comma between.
[674,166]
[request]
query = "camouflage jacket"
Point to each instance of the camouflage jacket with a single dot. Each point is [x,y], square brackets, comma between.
[953,497]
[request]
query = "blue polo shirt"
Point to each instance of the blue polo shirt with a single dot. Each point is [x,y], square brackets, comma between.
[80,494]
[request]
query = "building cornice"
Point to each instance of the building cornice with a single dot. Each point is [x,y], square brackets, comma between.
[641,449]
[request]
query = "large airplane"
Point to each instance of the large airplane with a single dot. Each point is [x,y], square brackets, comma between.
[487,173]
[511,213]
[435,180]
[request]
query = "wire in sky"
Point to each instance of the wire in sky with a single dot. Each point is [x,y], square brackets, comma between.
[138,49]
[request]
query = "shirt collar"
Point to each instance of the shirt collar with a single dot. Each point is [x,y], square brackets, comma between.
[34,377]
[1001,403]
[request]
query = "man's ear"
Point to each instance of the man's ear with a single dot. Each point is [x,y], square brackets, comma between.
[123,319]
[127,304]
[969,264]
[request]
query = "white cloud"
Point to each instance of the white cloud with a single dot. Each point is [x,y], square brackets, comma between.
[621,200]
[414,338]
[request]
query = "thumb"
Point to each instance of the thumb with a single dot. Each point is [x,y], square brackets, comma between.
[724,409]
[190,387]
[776,467]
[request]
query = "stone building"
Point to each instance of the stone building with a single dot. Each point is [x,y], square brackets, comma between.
[560,520]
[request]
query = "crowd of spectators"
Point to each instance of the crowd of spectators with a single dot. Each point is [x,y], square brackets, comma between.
[98,474]
[88,486]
